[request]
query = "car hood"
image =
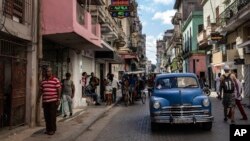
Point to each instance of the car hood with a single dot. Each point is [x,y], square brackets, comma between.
[178,97]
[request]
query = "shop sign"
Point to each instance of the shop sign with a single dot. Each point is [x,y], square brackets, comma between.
[120,8]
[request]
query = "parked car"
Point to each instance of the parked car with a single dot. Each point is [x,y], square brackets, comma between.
[178,99]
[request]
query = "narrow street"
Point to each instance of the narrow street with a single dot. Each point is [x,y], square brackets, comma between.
[133,124]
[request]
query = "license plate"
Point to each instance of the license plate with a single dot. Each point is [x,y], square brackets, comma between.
[181,120]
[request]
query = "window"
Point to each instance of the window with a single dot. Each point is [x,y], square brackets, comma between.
[176,82]
[190,38]
[14,9]
[208,20]
[217,15]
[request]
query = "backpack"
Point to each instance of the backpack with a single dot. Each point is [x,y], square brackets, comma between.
[228,84]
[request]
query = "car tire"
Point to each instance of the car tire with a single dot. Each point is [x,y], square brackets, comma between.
[207,126]
[154,126]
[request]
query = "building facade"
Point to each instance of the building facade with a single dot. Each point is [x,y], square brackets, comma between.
[234,23]
[194,59]
[19,53]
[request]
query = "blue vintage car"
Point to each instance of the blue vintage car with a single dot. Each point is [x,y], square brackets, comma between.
[178,99]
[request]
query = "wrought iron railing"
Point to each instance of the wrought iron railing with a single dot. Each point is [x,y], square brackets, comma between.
[18,10]
[231,11]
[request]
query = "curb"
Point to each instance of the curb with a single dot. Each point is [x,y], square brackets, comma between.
[84,128]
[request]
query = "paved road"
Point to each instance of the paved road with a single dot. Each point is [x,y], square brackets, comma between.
[133,124]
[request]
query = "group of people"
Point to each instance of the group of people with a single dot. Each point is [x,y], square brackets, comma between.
[135,84]
[56,93]
[229,89]
[89,86]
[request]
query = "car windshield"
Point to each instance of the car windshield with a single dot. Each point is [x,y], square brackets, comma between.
[176,82]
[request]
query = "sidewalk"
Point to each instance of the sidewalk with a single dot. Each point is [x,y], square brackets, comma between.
[68,129]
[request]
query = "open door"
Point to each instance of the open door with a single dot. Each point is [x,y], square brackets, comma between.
[1,93]
[18,95]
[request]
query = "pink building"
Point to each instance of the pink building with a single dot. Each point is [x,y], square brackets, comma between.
[70,39]
[197,64]
[68,22]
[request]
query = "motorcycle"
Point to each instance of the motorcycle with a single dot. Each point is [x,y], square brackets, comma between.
[206,89]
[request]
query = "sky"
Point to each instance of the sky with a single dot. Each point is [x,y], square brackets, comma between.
[155,16]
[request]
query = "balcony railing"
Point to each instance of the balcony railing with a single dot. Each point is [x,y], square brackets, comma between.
[19,11]
[231,11]
[202,36]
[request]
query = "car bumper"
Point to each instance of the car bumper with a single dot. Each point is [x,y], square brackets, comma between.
[182,119]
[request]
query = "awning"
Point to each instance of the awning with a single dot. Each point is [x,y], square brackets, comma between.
[110,56]
[130,56]
[245,44]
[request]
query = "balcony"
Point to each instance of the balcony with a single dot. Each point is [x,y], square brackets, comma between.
[109,28]
[211,28]
[232,54]
[202,39]
[74,28]
[217,58]
[91,2]
[235,15]
[98,13]
[17,17]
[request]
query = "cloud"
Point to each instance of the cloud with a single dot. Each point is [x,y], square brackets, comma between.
[165,2]
[145,8]
[144,23]
[165,16]
[151,48]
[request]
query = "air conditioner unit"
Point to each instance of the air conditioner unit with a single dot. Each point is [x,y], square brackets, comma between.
[247,49]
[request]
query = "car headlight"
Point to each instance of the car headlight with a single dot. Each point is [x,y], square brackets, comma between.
[157,105]
[205,102]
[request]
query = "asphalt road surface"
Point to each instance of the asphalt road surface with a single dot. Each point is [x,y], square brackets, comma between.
[132,123]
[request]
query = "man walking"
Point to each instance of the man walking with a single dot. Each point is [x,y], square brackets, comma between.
[228,85]
[68,91]
[50,89]
[114,84]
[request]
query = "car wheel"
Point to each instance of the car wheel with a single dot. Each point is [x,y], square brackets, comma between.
[154,126]
[207,126]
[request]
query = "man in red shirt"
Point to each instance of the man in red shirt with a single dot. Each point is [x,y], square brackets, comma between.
[50,89]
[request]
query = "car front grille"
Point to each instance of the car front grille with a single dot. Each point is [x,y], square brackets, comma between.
[177,111]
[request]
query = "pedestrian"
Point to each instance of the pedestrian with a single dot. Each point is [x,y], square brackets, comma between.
[68,92]
[238,99]
[50,90]
[92,76]
[114,84]
[201,82]
[89,92]
[84,82]
[228,84]
[217,81]
[95,81]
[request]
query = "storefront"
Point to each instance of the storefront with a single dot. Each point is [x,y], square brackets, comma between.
[56,57]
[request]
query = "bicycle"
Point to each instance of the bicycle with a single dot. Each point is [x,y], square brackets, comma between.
[126,97]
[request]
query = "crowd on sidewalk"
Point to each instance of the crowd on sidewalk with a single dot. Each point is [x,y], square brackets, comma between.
[59,95]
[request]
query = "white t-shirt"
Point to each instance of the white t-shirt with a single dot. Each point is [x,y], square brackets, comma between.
[114,83]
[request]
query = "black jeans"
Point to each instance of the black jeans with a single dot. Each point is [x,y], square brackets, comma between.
[49,110]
